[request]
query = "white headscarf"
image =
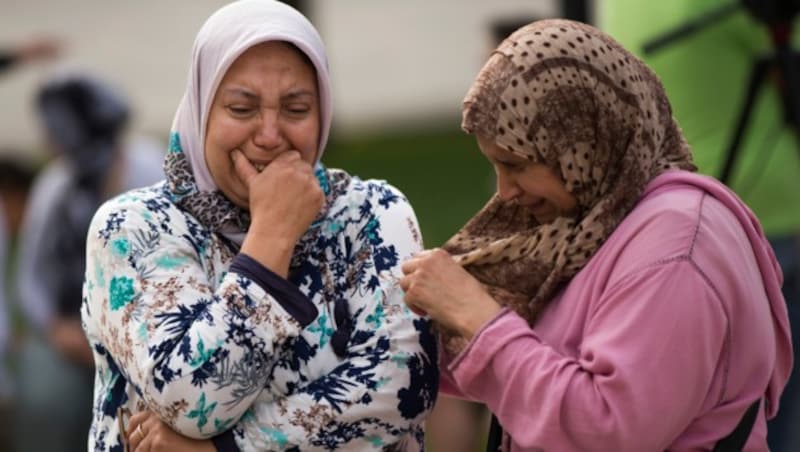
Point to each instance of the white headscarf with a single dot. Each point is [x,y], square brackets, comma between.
[230,31]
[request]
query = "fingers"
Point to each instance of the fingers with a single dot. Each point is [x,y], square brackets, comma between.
[138,427]
[421,273]
[246,171]
[136,420]
[288,156]
[415,309]
[136,437]
[405,284]
[144,446]
[411,264]
[243,167]
[420,259]
[408,267]
[293,160]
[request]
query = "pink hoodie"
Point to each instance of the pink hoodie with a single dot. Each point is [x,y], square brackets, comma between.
[661,342]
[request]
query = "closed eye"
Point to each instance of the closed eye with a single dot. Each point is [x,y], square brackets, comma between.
[240,111]
[298,109]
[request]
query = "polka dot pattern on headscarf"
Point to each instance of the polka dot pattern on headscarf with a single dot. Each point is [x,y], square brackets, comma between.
[565,95]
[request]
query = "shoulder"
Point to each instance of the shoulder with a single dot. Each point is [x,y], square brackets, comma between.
[374,210]
[681,217]
[138,199]
[681,210]
[376,194]
[368,199]
[661,226]
[137,208]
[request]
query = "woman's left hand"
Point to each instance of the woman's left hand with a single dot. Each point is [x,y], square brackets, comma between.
[146,432]
[435,284]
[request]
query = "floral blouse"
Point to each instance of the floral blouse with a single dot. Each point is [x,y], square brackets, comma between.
[222,348]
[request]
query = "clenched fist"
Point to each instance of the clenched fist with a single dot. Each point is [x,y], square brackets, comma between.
[285,198]
[435,284]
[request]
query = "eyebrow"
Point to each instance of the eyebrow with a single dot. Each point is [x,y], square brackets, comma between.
[292,95]
[241,92]
[296,95]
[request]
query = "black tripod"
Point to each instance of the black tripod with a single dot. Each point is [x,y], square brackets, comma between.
[783,63]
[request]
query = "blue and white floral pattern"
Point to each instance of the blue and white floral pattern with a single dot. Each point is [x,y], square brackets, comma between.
[210,350]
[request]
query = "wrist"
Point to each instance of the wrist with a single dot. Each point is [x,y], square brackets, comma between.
[272,251]
[482,314]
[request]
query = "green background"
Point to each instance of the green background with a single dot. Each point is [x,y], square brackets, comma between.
[706,76]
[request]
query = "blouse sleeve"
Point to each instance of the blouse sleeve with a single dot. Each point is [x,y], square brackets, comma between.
[197,356]
[645,365]
[386,383]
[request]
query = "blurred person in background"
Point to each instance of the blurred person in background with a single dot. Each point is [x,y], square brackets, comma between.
[249,301]
[706,75]
[15,181]
[607,297]
[84,122]
[32,49]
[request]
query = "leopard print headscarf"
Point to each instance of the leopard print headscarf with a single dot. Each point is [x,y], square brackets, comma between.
[568,96]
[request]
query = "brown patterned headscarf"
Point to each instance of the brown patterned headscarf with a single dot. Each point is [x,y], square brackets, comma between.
[568,96]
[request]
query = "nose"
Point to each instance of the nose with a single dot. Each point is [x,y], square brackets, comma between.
[507,188]
[268,134]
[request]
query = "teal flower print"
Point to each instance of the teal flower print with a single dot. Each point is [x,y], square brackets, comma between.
[120,292]
[376,318]
[201,412]
[401,359]
[371,228]
[222,425]
[275,436]
[203,355]
[121,247]
[323,329]
[170,262]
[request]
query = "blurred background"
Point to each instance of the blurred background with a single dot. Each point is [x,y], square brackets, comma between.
[399,73]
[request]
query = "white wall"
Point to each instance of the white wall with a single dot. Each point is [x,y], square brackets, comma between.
[393,62]
[141,46]
[406,62]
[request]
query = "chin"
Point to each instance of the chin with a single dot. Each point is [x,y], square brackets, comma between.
[237,199]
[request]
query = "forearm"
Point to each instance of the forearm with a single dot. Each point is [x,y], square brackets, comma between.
[198,356]
[275,257]
[379,395]
[610,397]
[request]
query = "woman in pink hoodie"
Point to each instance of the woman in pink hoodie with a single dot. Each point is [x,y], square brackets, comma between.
[607,297]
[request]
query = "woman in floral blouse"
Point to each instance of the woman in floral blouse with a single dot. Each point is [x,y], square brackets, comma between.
[250,299]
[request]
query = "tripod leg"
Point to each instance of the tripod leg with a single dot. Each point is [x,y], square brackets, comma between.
[757,76]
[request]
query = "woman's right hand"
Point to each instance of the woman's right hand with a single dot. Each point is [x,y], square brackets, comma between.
[284,198]
[147,433]
[434,284]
